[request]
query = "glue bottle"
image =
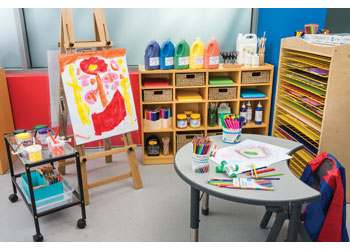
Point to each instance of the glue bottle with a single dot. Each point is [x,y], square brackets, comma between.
[249,112]
[258,114]
[229,169]
[243,113]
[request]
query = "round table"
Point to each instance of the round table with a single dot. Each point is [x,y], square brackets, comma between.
[289,190]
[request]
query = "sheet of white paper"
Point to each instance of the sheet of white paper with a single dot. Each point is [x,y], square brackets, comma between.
[250,152]
[99,96]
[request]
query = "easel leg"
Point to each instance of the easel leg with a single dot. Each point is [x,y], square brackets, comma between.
[81,150]
[108,146]
[134,167]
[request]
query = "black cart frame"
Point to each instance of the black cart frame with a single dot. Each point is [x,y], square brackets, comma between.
[38,237]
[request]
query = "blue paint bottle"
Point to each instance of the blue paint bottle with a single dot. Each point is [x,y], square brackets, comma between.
[167,55]
[258,114]
[152,55]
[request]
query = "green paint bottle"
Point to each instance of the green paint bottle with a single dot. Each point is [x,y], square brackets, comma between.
[181,55]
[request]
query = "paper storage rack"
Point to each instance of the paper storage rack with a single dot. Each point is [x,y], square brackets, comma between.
[312,99]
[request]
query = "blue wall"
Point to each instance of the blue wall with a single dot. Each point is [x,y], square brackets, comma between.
[281,23]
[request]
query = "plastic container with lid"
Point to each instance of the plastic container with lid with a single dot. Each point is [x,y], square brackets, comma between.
[167,55]
[188,114]
[152,53]
[245,45]
[181,55]
[24,138]
[42,135]
[195,120]
[181,121]
[212,55]
[34,153]
[197,54]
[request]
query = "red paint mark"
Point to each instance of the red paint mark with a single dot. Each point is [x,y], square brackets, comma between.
[114,65]
[121,76]
[92,81]
[100,64]
[82,137]
[101,91]
[111,117]
[90,96]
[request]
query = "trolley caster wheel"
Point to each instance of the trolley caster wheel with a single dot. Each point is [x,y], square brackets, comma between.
[81,223]
[205,211]
[38,237]
[13,197]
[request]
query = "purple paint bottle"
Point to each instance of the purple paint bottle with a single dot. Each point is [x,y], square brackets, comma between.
[152,53]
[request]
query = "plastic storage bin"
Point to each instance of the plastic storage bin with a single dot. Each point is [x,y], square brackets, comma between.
[53,201]
[38,180]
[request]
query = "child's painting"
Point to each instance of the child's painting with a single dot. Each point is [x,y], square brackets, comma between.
[99,95]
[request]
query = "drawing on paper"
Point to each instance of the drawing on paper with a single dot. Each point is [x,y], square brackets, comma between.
[99,95]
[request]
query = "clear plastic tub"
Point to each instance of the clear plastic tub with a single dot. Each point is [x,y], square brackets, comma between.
[53,201]
[57,149]
[42,135]
[24,138]
[34,153]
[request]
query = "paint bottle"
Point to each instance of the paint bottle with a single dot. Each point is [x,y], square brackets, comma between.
[182,53]
[152,53]
[258,114]
[243,113]
[245,45]
[212,55]
[249,112]
[167,55]
[197,54]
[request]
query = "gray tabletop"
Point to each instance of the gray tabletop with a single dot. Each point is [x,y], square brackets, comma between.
[289,189]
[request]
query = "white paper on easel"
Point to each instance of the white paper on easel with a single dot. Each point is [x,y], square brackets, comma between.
[98,92]
[264,154]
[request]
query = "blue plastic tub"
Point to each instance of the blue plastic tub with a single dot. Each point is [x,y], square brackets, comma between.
[44,192]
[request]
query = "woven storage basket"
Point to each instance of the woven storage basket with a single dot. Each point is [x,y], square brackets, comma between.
[189,79]
[183,138]
[213,133]
[222,93]
[154,95]
[257,76]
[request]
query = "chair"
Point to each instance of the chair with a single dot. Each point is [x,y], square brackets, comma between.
[283,213]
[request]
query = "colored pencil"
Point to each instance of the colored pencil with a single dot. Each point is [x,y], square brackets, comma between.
[270,175]
[264,178]
[255,171]
[262,171]
[251,169]
[247,171]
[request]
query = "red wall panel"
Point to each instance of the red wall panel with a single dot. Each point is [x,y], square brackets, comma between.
[30,102]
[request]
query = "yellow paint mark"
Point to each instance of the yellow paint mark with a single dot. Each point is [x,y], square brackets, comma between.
[127,98]
[92,67]
[124,70]
[82,107]
[120,61]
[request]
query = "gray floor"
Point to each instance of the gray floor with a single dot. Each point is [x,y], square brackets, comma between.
[157,212]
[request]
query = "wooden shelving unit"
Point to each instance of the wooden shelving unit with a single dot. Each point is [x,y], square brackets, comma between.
[313,108]
[202,106]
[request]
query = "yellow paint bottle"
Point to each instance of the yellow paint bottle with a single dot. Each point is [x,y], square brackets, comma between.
[197,54]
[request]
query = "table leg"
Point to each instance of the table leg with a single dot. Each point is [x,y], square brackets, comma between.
[294,222]
[205,204]
[194,214]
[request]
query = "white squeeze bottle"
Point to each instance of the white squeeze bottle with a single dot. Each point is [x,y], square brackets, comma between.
[258,114]
[243,113]
[249,112]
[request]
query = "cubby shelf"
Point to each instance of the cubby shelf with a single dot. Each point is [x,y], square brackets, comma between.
[201,106]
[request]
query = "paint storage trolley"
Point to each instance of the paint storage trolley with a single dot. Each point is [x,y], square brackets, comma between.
[41,197]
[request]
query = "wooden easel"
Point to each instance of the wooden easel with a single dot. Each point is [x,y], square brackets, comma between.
[69,45]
